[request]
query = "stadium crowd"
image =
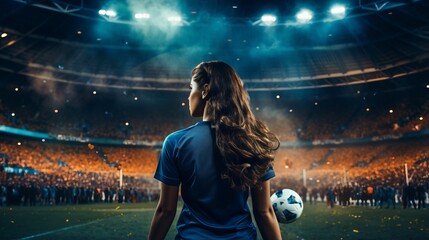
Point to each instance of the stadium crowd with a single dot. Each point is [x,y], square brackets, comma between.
[355,116]
[84,173]
[77,169]
[81,188]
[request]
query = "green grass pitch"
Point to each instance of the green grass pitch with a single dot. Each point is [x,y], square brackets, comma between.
[132,221]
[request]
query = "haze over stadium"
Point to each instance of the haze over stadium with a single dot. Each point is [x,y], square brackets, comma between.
[90,89]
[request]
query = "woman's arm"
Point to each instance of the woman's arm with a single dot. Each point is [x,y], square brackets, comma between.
[264,213]
[165,212]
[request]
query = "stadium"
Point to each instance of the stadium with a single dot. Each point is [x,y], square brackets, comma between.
[89,90]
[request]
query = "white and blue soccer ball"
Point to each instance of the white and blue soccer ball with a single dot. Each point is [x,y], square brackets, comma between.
[287,205]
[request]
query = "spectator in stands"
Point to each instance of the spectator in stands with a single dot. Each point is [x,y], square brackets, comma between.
[421,196]
[330,197]
[389,195]
[313,195]
[303,193]
[370,195]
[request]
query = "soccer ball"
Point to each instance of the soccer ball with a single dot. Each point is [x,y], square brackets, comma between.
[287,205]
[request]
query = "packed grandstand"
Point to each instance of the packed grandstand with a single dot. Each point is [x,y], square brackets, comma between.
[357,139]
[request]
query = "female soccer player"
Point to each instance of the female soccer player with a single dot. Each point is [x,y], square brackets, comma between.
[216,163]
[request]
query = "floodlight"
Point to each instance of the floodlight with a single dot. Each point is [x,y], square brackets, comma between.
[109,13]
[304,15]
[338,11]
[175,19]
[142,15]
[268,19]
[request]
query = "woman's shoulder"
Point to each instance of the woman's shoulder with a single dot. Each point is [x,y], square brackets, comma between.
[177,135]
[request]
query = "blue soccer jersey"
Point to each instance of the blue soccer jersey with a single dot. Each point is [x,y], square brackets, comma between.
[211,210]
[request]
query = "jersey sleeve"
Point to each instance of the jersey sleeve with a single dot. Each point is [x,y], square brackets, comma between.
[167,171]
[269,174]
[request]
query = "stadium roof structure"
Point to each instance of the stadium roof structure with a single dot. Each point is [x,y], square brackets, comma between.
[69,41]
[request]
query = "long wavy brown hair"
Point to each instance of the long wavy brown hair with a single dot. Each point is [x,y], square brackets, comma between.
[245,145]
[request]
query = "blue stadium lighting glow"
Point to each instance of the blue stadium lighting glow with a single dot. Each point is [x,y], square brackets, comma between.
[338,11]
[304,16]
[268,19]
